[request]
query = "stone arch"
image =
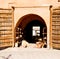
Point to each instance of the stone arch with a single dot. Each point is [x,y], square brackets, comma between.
[25,21]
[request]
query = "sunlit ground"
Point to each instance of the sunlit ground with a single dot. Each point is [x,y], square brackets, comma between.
[29,53]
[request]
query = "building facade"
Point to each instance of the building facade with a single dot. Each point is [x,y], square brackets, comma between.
[30,20]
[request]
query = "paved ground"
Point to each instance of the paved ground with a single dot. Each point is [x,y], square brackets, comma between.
[29,53]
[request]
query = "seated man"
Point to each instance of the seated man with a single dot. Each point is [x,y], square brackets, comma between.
[24,43]
[39,44]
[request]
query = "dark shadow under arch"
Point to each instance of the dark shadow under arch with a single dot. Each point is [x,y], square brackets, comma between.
[25,24]
[24,20]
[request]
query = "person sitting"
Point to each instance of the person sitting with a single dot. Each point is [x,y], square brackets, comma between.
[24,43]
[40,43]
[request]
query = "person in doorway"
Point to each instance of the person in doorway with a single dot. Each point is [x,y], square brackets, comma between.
[40,43]
[16,44]
[24,43]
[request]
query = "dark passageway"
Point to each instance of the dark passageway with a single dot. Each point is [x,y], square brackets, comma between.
[28,31]
[25,31]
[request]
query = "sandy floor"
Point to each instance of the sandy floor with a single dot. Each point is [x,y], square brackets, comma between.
[29,53]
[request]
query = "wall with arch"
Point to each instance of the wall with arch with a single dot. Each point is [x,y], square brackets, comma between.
[42,11]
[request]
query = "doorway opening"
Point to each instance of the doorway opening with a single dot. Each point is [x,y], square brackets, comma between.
[31,28]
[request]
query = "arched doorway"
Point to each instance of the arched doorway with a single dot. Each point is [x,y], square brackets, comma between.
[31,27]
